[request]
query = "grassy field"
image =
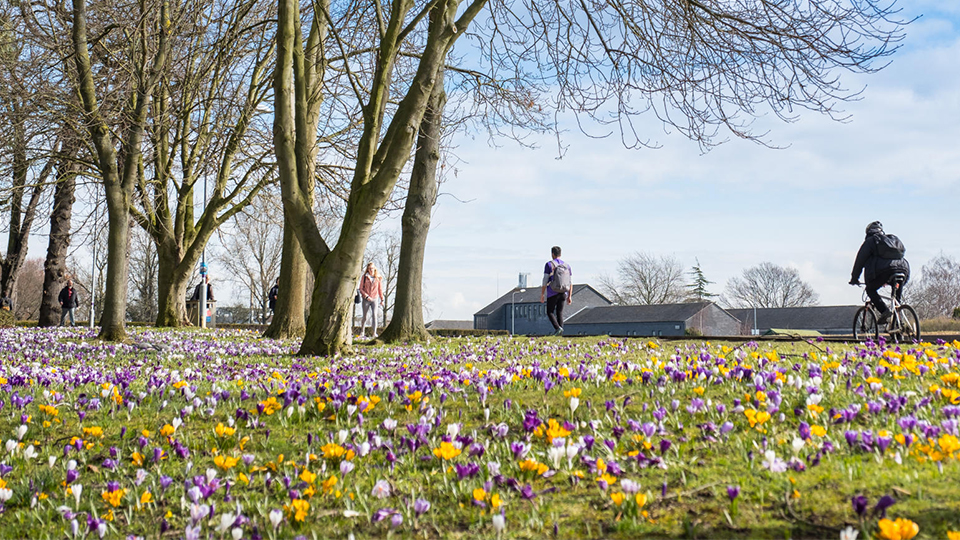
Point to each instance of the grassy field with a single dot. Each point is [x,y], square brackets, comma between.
[225,435]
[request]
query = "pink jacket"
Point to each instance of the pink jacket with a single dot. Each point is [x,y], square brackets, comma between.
[370,287]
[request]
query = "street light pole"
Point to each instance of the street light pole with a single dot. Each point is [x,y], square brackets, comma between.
[513,310]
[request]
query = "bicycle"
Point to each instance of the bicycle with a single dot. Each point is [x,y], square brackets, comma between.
[904,325]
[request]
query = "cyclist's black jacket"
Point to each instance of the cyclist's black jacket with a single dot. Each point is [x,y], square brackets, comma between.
[872,264]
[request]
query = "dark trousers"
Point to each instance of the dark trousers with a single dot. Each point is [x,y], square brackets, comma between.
[875,284]
[555,309]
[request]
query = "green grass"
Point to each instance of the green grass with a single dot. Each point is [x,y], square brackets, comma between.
[814,503]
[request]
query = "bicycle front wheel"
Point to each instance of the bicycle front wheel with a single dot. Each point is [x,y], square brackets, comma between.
[909,324]
[865,325]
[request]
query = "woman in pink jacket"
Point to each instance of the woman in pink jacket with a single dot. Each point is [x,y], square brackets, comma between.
[371,294]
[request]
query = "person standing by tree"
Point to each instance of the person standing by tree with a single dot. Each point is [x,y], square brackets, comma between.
[68,303]
[371,294]
[273,295]
[197,291]
[558,287]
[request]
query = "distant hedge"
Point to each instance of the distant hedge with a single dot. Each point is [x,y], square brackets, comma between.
[443,332]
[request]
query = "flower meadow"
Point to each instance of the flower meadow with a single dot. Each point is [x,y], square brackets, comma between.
[189,434]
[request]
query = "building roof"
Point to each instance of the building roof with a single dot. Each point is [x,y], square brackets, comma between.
[444,324]
[799,318]
[638,314]
[531,295]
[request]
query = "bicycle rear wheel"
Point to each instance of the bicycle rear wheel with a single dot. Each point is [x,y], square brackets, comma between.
[865,324]
[909,324]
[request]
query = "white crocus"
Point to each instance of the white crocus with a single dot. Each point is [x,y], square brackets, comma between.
[849,533]
[276,516]
[499,523]
[226,522]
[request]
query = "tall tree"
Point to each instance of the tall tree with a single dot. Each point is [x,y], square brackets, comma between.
[28,145]
[203,124]
[304,62]
[937,292]
[382,151]
[644,278]
[407,324]
[58,242]
[768,285]
[26,296]
[697,289]
[119,170]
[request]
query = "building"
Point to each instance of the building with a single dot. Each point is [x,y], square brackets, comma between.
[520,311]
[702,318]
[824,319]
[442,324]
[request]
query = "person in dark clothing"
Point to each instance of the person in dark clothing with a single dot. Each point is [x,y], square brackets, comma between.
[197,291]
[877,269]
[555,272]
[68,303]
[273,294]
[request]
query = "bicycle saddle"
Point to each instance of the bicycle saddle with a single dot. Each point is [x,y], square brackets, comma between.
[899,277]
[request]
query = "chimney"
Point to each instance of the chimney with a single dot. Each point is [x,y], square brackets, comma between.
[522,281]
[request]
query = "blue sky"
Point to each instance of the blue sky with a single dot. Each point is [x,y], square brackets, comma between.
[803,206]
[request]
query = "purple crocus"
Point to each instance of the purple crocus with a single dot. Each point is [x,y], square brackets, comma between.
[733,492]
[420,507]
[860,503]
[881,508]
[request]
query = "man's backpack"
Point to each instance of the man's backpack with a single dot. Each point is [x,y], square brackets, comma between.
[560,282]
[890,247]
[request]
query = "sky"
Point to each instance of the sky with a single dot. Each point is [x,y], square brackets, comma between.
[804,206]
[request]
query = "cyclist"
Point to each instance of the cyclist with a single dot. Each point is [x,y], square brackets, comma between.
[879,258]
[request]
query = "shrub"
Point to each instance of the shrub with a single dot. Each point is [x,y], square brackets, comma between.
[956,313]
[467,332]
[939,324]
[7,320]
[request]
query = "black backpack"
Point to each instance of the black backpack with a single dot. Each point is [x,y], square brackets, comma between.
[890,247]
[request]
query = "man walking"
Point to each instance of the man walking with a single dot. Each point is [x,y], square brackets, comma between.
[68,303]
[557,286]
[879,258]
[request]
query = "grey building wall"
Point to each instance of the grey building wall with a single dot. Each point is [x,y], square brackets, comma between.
[714,321]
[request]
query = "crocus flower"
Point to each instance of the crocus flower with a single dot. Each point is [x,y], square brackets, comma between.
[421,506]
[881,508]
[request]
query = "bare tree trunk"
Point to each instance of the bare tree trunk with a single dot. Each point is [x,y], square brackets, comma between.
[172,282]
[118,182]
[288,319]
[407,322]
[55,267]
[21,219]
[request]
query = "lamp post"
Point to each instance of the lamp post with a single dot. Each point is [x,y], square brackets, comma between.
[513,310]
